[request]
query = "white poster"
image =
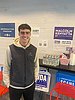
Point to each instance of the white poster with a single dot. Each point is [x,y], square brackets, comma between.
[35,32]
[63,37]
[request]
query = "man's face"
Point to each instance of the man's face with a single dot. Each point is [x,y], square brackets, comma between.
[24,36]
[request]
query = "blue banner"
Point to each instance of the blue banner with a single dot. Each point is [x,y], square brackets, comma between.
[7,29]
[64,33]
[65,77]
[43,81]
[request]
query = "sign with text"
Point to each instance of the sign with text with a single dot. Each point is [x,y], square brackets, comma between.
[65,77]
[7,29]
[43,82]
[64,33]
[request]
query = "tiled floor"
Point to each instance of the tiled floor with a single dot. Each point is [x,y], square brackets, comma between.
[37,97]
[48,98]
[5,97]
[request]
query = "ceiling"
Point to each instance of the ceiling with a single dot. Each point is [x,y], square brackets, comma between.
[29,6]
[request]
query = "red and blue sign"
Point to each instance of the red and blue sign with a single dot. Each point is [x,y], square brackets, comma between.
[65,77]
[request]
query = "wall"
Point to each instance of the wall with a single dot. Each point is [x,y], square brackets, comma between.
[42,14]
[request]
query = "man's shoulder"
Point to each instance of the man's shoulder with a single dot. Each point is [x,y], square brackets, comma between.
[33,46]
[12,46]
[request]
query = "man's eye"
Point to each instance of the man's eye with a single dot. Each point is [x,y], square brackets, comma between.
[22,32]
[25,33]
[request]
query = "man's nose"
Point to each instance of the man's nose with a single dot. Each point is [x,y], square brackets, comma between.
[24,34]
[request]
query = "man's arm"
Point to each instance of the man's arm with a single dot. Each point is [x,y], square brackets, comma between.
[6,70]
[36,66]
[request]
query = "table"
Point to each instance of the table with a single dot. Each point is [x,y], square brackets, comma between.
[68,68]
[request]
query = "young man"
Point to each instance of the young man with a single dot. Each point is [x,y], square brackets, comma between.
[22,66]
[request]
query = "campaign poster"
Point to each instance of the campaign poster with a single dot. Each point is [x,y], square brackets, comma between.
[7,29]
[43,81]
[64,33]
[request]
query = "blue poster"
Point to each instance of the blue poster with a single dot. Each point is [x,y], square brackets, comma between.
[65,77]
[7,29]
[43,81]
[64,33]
